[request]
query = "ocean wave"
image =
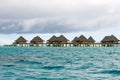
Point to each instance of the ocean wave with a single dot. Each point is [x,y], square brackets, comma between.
[69,63]
[112,72]
[8,65]
[28,62]
[116,72]
[53,79]
[9,74]
[53,67]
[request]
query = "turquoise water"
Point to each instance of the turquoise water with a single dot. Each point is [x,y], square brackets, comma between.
[59,63]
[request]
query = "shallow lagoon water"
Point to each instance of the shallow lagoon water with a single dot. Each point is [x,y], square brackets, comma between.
[59,63]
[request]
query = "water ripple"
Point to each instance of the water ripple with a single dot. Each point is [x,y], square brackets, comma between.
[112,72]
[28,62]
[59,63]
[53,67]
[115,72]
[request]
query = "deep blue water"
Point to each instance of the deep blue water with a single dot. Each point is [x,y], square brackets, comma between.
[59,63]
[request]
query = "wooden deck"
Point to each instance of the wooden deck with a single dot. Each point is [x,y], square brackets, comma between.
[64,45]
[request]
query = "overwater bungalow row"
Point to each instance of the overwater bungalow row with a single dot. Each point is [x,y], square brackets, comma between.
[21,41]
[63,41]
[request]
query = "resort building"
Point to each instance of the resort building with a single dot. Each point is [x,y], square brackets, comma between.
[63,41]
[21,41]
[75,41]
[80,41]
[58,41]
[91,41]
[109,41]
[83,41]
[36,41]
[52,41]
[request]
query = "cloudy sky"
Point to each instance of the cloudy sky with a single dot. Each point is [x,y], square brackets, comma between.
[45,18]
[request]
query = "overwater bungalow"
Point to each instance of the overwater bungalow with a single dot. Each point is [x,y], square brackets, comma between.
[83,41]
[75,41]
[63,41]
[52,41]
[80,41]
[91,41]
[21,41]
[109,41]
[57,41]
[36,41]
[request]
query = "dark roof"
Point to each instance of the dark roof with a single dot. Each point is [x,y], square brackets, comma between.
[90,39]
[113,38]
[37,38]
[53,38]
[82,38]
[62,38]
[21,39]
[75,39]
[110,38]
[106,38]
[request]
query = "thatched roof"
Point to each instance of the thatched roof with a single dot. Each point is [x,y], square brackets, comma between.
[82,38]
[113,38]
[53,38]
[21,39]
[37,39]
[90,39]
[75,39]
[62,38]
[106,38]
[110,38]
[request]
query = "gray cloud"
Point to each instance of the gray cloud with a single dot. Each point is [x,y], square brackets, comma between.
[10,27]
[44,16]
